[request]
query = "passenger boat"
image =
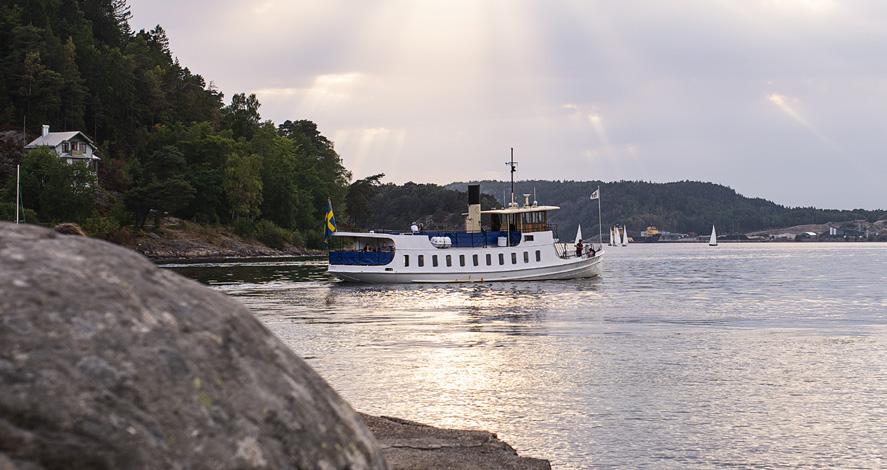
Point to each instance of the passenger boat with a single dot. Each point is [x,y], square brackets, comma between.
[517,245]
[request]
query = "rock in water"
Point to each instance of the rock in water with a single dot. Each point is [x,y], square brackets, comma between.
[107,361]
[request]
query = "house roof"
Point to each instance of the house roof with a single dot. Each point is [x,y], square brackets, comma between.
[52,139]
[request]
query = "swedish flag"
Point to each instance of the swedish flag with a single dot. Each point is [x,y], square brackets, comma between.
[329,222]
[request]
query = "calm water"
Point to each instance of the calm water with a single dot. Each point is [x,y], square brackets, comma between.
[770,355]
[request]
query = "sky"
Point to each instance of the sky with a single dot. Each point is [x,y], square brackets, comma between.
[781,99]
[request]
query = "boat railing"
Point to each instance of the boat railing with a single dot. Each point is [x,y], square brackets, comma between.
[567,250]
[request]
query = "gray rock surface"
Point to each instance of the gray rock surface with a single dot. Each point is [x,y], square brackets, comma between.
[410,445]
[109,362]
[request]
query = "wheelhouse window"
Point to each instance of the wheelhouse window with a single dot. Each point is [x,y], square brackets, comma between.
[528,238]
[535,221]
[461,260]
[406,261]
[501,259]
[421,260]
[526,257]
[449,261]
[474,259]
[489,259]
[434,260]
[538,256]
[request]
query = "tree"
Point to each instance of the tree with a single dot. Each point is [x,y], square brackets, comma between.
[243,186]
[359,195]
[242,116]
[55,190]
[321,171]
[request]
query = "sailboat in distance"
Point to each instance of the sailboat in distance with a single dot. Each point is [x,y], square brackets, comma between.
[713,241]
[624,235]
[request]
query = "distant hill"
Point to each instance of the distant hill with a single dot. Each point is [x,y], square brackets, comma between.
[683,206]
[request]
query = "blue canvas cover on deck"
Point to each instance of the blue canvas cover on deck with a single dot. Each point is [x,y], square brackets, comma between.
[361,258]
[476,239]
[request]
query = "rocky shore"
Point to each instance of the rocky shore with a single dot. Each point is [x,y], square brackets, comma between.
[176,239]
[109,362]
[408,445]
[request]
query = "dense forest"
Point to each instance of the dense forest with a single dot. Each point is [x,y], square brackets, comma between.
[683,206]
[170,144]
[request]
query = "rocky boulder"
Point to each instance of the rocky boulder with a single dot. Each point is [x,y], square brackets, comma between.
[107,361]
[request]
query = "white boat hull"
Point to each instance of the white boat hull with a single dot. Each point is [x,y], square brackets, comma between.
[572,268]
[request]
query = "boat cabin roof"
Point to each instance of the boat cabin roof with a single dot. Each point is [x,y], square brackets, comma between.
[521,210]
[362,234]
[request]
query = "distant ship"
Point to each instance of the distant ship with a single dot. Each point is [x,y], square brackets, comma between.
[650,235]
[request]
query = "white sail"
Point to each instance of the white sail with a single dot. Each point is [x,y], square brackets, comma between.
[612,237]
[713,241]
[578,233]
[624,236]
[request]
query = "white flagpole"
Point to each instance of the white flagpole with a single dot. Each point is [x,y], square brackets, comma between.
[600,230]
[17,186]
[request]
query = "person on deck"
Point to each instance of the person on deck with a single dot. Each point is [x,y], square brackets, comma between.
[591,251]
[579,248]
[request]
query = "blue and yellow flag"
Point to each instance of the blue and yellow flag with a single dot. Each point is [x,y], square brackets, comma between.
[329,222]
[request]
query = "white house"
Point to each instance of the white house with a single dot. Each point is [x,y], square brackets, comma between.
[71,146]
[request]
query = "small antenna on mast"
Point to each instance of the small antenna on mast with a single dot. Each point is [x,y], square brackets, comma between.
[513,166]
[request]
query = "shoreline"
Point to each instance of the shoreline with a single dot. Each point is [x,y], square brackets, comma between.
[409,444]
[163,261]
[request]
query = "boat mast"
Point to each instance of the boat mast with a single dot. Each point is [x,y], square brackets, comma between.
[513,166]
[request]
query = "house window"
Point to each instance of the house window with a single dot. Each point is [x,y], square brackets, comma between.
[528,238]
[461,260]
[514,258]
[449,261]
[489,259]
[474,259]
[421,260]
[501,259]
[434,260]
[406,261]
[538,256]
[526,257]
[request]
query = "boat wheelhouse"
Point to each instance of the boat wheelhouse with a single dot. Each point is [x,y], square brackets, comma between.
[518,244]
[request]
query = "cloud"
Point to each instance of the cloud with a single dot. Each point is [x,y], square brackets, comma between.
[703,88]
[781,102]
[327,92]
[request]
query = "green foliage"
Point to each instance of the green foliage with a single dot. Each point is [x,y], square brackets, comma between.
[359,195]
[162,197]
[7,213]
[101,227]
[272,235]
[243,186]
[55,190]
[242,116]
